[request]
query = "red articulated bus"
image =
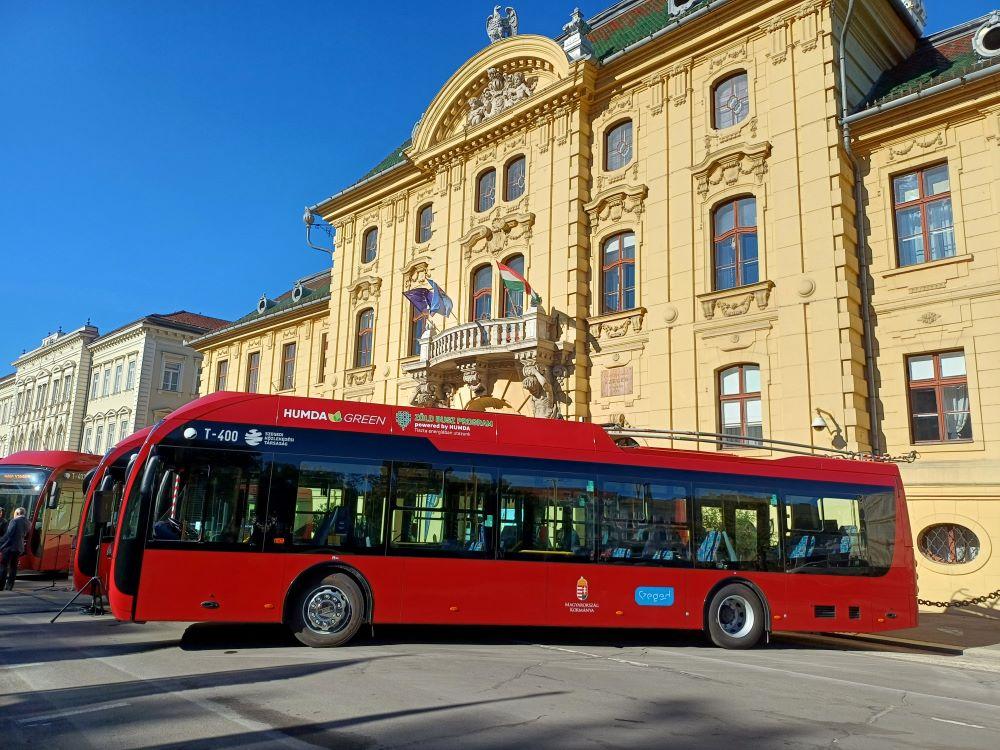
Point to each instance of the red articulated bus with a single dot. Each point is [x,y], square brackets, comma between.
[109,476]
[49,486]
[325,515]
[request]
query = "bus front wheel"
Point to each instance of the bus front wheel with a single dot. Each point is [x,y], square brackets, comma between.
[735,617]
[328,612]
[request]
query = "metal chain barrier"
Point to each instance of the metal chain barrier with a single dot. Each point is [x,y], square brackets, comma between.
[962,603]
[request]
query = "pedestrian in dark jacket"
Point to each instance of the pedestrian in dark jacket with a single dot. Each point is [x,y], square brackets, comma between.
[11,548]
[3,521]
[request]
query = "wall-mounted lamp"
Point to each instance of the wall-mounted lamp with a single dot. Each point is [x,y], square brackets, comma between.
[819,424]
[309,219]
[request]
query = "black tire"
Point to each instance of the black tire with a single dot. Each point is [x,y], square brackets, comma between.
[735,617]
[328,612]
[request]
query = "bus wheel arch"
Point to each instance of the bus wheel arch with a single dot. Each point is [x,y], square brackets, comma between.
[313,577]
[748,596]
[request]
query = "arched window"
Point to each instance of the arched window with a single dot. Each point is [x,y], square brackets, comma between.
[425,219]
[735,243]
[486,190]
[418,324]
[731,101]
[513,302]
[369,247]
[739,406]
[482,293]
[366,334]
[618,272]
[618,146]
[513,184]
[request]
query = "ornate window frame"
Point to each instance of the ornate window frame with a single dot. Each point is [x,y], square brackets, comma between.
[606,132]
[508,163]
[420,239]
[369,231]
[718,79]
[478,206]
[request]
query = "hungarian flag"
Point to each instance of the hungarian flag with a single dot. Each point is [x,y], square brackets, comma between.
[513,281]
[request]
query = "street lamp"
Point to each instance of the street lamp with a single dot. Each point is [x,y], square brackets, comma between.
[308,218]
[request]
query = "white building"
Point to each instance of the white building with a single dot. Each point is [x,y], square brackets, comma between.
[49,393]
[6,410]
[140,373]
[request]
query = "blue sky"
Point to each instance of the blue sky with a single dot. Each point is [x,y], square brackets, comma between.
[156,156]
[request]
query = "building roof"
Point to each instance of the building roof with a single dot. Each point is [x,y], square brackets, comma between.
[937,59]
[182,319]
[314,288]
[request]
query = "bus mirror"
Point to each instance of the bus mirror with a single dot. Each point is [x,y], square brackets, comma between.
[53,502]
[107,483]
[102,506]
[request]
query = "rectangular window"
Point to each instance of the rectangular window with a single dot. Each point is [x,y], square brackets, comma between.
[841,531]
[442,509]
[86,441]
[221,373]
[338,502]
[645,522]
[106,389]
[253,371]
[939,398]
[547,516]
[55,392]
[736,528]
[288,366]
[208,498]
[40,396]
[171,376]
[323,345]
[95,385]
[925,228]
[99,439]
[67,387]
[118,378]
[111,434]
[124,429]
[130,376]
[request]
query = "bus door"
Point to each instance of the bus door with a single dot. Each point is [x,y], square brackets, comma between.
[204,536]
[444,526]
[59,525]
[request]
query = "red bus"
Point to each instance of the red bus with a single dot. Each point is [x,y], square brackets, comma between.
[109,476]
[325,515]
[49,486]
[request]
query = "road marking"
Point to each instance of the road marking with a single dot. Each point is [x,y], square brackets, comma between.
[823,678]
[23,666]
[621,661]
[960,723]
[70,712]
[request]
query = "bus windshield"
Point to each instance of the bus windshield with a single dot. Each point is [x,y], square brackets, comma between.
[20,487]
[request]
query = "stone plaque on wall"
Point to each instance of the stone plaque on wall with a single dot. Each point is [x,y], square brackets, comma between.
[616,381]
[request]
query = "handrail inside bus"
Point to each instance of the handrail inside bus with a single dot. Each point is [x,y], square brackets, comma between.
[616,430]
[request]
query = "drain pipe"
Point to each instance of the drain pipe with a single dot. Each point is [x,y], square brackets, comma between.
[864,271]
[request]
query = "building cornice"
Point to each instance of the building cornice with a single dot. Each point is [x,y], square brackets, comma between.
[258,325]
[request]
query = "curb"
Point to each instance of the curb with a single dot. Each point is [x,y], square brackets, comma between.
[940,648]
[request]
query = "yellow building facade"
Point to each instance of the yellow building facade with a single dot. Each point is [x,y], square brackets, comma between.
[671,180]
[280,347]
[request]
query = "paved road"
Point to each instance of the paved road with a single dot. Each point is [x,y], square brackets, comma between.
[91,682]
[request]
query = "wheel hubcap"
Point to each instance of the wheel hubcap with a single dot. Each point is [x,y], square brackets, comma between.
[736,616]
[327,610]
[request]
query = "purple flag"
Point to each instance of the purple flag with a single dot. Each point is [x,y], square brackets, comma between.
[419,298]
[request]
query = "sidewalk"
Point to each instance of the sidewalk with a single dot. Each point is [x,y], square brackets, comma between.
[953,631]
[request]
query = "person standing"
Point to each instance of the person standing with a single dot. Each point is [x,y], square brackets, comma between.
[11,548]
[3,521]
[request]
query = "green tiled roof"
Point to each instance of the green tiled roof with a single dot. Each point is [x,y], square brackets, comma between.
[937,59]
[314,288]
[634,26]
[391,160]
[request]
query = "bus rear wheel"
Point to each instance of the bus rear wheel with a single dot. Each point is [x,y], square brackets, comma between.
[735,617]
[328,612]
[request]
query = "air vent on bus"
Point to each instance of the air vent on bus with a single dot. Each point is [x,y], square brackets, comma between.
[854,613]
[825,611]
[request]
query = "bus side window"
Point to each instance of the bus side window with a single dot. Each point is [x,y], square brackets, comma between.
[645,522]
[547,516]
[736,528]
[443,508]
[338,502]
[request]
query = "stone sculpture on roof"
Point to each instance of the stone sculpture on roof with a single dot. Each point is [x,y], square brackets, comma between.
[500,27]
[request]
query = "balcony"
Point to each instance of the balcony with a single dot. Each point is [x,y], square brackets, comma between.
[475,354]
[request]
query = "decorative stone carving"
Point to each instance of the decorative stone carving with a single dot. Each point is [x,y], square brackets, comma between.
[730,167]
[806,287]
[477,376]
[747,131]
[576,44]
[430,391]
[501,27]
[415,275]
[617,325]
[615,204]
[733,302]
[924,142]
[537,381]
[365,290]
[731,55]
[359,376]
[503,91]
[495,236]
[929,318]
